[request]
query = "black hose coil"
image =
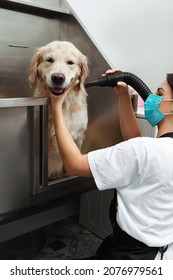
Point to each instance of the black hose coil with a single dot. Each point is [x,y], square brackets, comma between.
[130,79]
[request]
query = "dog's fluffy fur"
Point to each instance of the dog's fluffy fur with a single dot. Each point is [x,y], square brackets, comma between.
[54,68]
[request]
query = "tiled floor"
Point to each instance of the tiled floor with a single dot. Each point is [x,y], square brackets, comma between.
[59,241]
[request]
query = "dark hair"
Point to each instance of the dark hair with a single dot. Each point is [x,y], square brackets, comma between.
[169,78]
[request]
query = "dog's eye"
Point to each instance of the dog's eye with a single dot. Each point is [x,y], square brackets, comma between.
[70,62]
[49,59]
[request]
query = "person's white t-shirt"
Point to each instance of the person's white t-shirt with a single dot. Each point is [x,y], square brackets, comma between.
[141,169]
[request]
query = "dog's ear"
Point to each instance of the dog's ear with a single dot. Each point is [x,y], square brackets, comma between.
[84,69]
[32,78]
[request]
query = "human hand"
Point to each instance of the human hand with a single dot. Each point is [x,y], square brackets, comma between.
[121,87]
[57,101]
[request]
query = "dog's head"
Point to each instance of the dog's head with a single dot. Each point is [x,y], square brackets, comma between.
[59,65]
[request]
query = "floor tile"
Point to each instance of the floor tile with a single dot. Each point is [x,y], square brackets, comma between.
[65,239]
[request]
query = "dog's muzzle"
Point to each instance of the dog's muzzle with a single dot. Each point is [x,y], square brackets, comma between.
[57,80]
[57,91]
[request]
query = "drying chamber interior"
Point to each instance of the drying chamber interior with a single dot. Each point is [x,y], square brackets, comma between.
[23,127]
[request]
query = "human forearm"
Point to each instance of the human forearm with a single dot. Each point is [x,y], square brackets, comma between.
[75,163]
[128,121]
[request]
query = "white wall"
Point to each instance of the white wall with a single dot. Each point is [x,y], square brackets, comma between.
[134,35]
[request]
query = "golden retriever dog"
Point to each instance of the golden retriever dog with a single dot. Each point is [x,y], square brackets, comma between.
[55,67]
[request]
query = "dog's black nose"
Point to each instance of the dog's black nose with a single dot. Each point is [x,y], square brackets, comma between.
[58,79]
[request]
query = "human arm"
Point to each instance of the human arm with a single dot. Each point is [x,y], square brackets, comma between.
[128,121]
[75,163]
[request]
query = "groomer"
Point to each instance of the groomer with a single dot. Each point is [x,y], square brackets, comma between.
[141,171]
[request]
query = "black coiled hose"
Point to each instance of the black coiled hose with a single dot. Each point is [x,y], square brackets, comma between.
[130,79]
